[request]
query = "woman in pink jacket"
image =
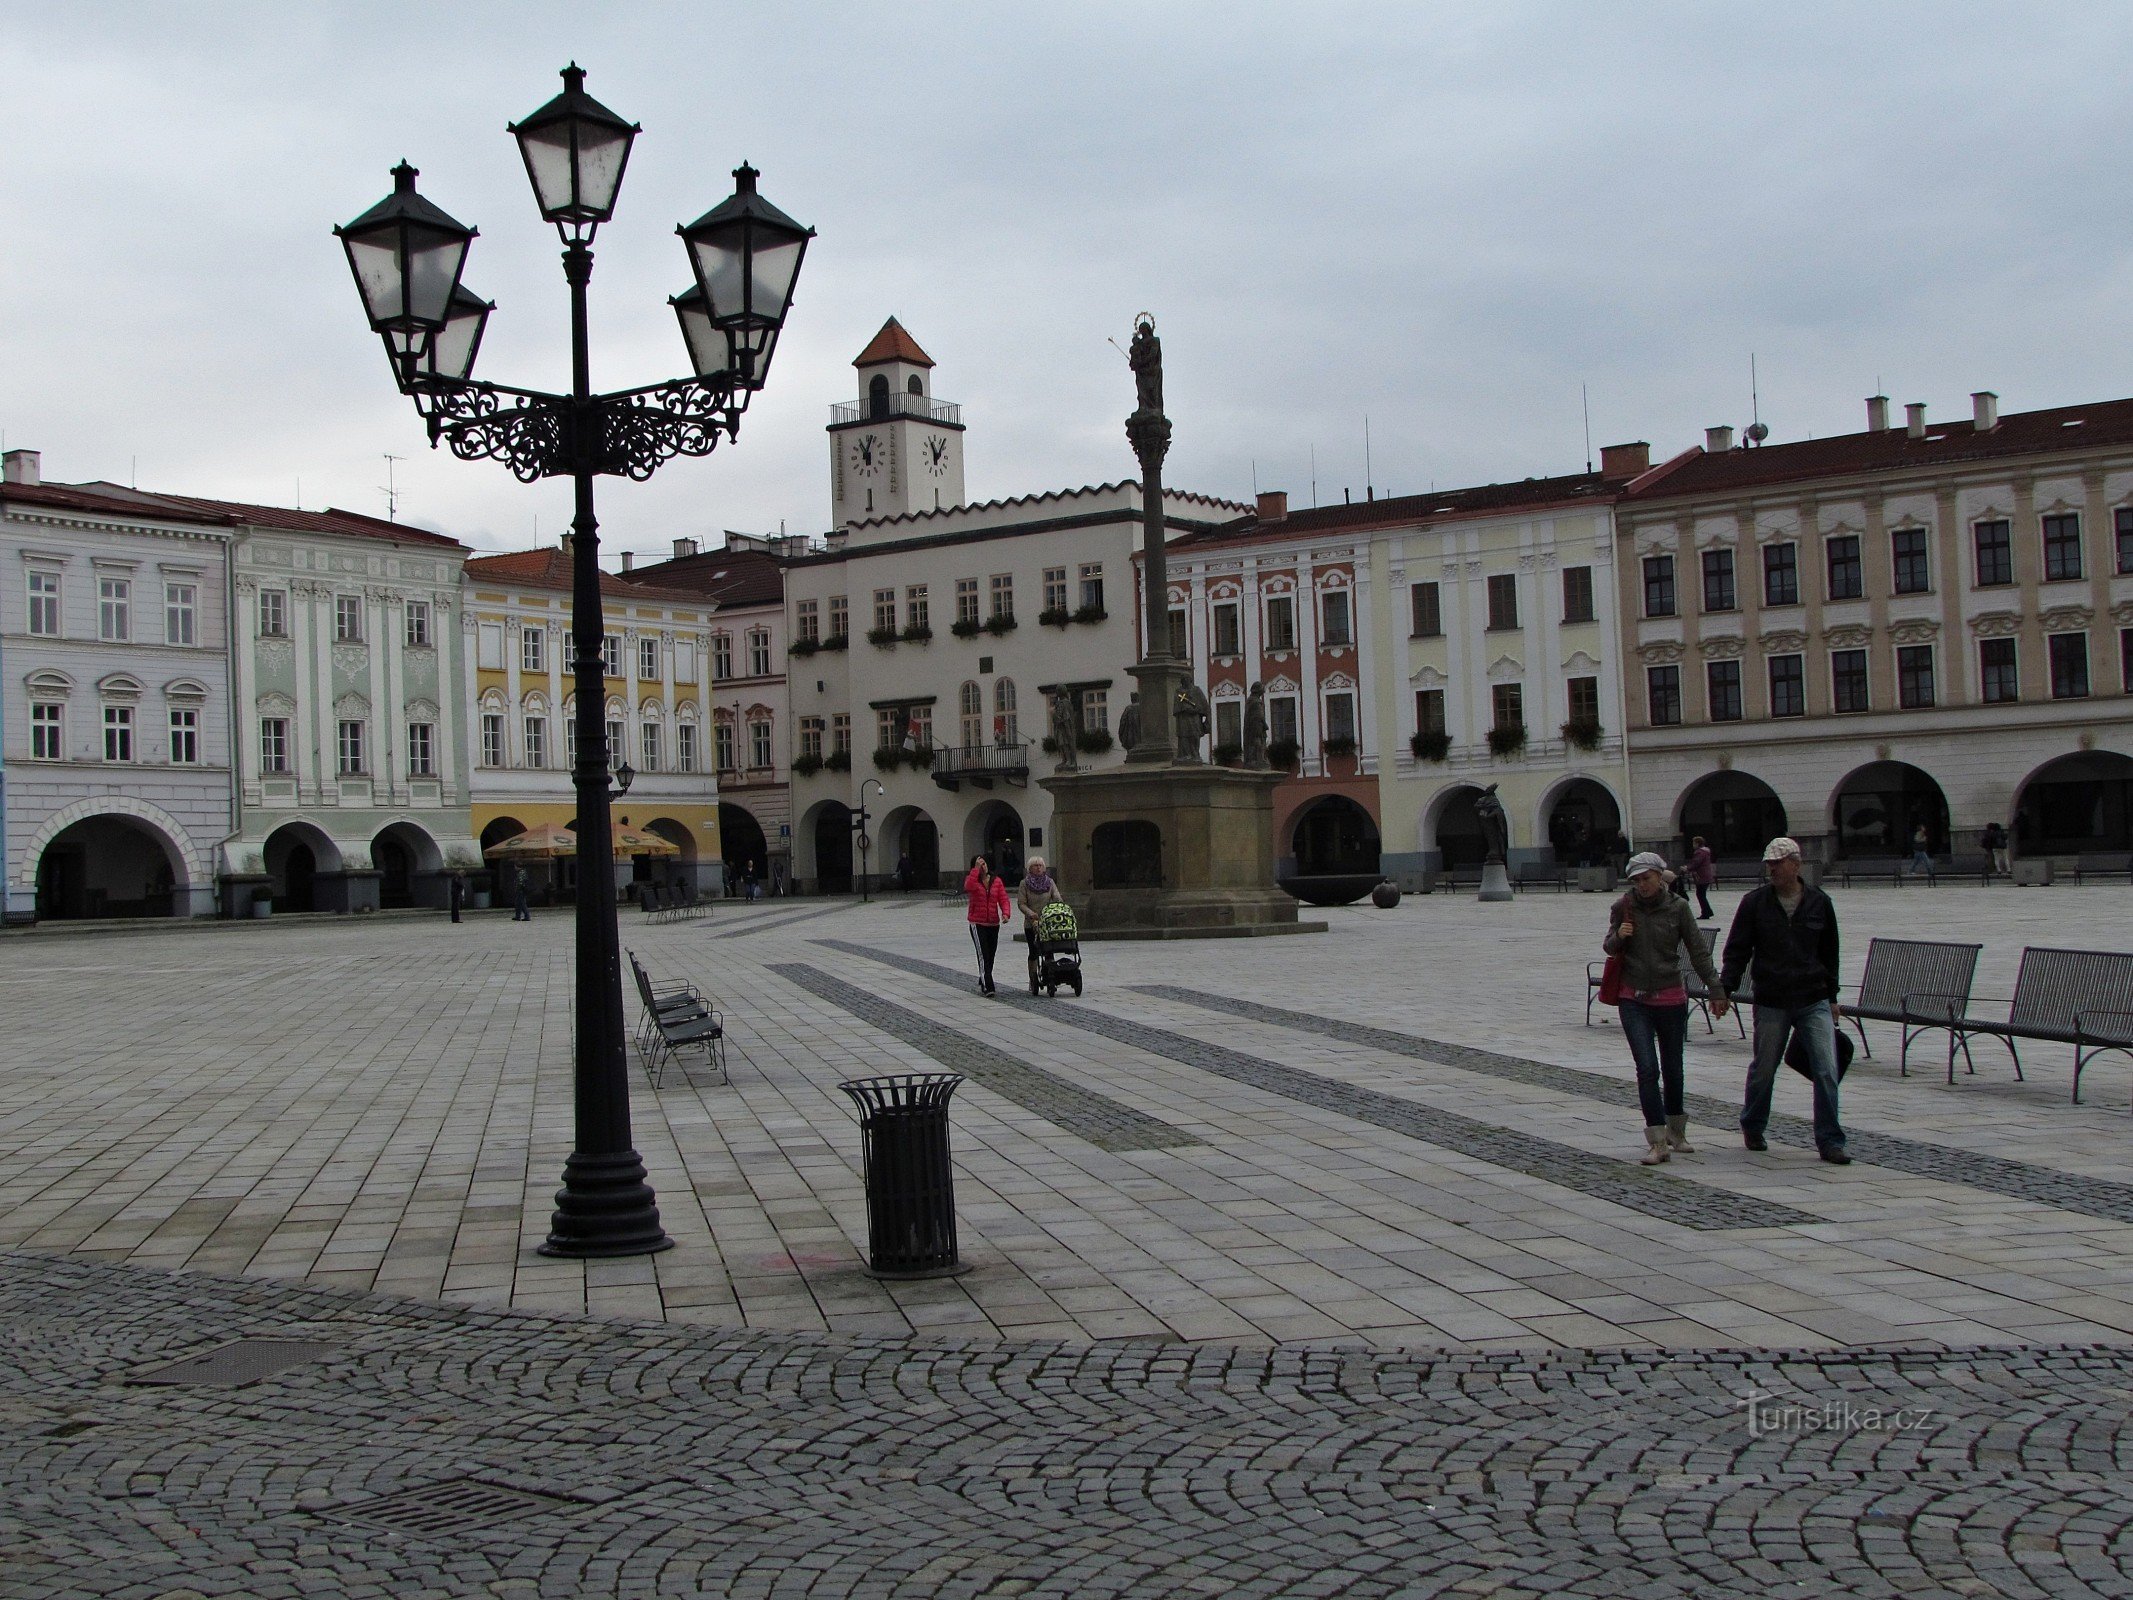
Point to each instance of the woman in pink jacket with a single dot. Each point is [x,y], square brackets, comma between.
[989,911]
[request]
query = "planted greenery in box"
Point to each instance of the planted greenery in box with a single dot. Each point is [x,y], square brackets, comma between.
[1281,754]
[917,633]
[1582,733]
[837,641]
[1431,745]
[806,766]
[1004,623]
[1055,616]
[804,647]
[837,761]
[1227,754]
[1090,614]
[1092,741]
[966,627]
[1508,740]
[888,758]
[1339,745]
[881,636]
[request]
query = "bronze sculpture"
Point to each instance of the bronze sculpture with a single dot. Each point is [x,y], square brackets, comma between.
[1129,723]
[1255,728]
[1146,358]
[1495,826]
[1192,718]
[1063,728]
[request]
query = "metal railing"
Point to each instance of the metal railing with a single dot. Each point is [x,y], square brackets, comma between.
[989,759]
[896,405]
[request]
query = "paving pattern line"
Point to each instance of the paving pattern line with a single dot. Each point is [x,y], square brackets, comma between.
[1637,1188]
[2017,1180]
[769,922]
[1102,1121]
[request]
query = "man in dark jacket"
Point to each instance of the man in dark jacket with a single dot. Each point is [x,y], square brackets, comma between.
[1787,930]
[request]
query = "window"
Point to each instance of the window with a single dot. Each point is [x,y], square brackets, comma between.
[422,749]
[1994,544]
[1999,678]
[2125,539]
[1280,624]
[611,655]
[1340,717]
[1848,687]
[48,731]
[1003,594]
[1847,575]
[1092,586]
[722,746]
[1281,718]
[1507,705]
[1914,676]
[966,599]
[1503,600]
[970,708]
[1577,594]
[1718,581]
[184,737]
[618,745]
[2062,547]
[722,656]
[489,646]
[533,650]
[1907,549]
[348,618]
[1229,722]
[811,737]
[1427,611]
[2125,659]
[685,747]
[2070,665]
[1055,589]
[44,604]
[536,741]
[1583,695]
[1659,586]
[920,719]
[885,609]
[1095,711]
[810,622]
[418,624]
[759,652]
[648,746]
[1180,633]
[114,609]
[1429,711]
[759,743]
[1788,686]
[273,744]
[1006,720]
[648,660]
[1229,631]
[1333,612]
[492,738]
[273,614]
[1781,574]
[181,610]
[917,613]
[840,617]
[1662,695]
[841,734]
[351,748]
[118,733]
[1722,683]
[892,725]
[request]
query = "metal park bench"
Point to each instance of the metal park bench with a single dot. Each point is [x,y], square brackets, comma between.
[1699,994]
[1534,874]
[1897,869]
[1969,864]
[675,1020]
[2103,864]
[1919,983]
[2079,997]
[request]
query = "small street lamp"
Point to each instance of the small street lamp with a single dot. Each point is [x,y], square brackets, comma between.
[866,840]
[406,256]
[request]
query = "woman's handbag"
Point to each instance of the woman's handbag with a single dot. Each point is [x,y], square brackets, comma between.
[1611,982]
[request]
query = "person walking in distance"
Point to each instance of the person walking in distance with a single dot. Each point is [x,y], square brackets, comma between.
[1921,855]
[1994,843]
[1784,936]
[989,911]
[1649,928]
[520,912]
[1703,872]
[458,893]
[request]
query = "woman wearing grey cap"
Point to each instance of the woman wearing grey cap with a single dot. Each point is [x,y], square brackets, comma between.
[1649,929]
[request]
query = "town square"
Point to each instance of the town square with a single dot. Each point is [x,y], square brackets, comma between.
[1218,805]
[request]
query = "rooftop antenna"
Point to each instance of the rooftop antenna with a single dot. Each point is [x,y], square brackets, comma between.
[299,494]
[1369,493]
[1585,401]
[1255,477]
[1314,475]
[136,483]
[1758,429]
[391,493]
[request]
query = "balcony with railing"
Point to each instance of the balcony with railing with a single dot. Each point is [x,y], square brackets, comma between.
[883,407]
[981,765]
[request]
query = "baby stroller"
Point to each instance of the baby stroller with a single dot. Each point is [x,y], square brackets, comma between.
[1057,958]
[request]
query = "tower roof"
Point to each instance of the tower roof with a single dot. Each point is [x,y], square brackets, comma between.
[893,344]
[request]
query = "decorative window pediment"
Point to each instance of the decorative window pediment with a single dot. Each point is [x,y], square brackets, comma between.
[1337,680]
[1228,691]
[426,710]
[188,689]
[1281,685]
[49,682]
[1505,667]
[275,704]
[493,700]
[119,686]
[351,708]
[1428,678]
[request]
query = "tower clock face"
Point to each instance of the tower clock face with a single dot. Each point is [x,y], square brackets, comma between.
[937,456]
[870,452]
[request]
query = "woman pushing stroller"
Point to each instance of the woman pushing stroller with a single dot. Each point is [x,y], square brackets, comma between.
[1039,889]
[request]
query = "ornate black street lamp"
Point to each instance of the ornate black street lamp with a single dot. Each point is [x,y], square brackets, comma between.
[407,255]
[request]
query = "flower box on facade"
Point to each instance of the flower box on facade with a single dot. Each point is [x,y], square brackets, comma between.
[1582,735]
[881,636]
[917,633]
[966,627]
[837,641]
[806,766]
[1430,745]
[1507,741]
[1004,623]
[1055,616]
[837,761]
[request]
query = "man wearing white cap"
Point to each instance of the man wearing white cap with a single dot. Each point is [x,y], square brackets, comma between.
[1785,937]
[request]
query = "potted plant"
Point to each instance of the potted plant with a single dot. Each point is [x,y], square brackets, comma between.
[1090,613]
[888,758]
[1582,733]
[922,757]
[1507,740]
[1281,754]
[966,627]
[1055,616]
[917,633]
[1431,744]
[1227,754]
[1340,744]
[806,765]
[1003,623]
[837,761]
[883,636]
[837,641]
[1092,741]
[803,647]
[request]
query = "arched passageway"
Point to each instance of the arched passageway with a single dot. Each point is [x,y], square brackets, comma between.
[294,855]
[1736,813]
[670,869]
[995,831]
[1580,818]
[409,865]
[110,866]
[1333,834]
[831,832]
[2076,803]
[1454,829]
[911,849]
[1875,809]
[741,844]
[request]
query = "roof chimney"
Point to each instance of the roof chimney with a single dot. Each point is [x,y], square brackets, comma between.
[1625,460]
[1984,411]
[629,561]
[20,466]
[684,547]
[570,545]
[1274,505]
[1914,419]
[1717,441]
[1877,413]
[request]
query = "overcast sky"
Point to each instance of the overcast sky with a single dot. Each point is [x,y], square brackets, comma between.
[1444,218]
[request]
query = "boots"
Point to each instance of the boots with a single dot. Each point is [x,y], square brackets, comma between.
[1655,1139]
[1677,1135]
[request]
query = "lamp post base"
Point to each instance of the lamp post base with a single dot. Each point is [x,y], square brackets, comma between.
[605,1208]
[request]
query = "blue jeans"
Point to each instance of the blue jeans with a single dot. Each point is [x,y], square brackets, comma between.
[1774,1026]
[1656,1035]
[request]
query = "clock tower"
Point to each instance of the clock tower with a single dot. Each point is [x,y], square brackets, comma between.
[897,450]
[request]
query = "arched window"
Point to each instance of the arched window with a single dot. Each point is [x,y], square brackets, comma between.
[1003,709]
[970,700]
[916,385]
[878,396]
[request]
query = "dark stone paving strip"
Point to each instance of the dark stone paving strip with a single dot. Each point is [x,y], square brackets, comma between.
[2018,1180]
[1082,1112]
[769,922]
[1636,1188]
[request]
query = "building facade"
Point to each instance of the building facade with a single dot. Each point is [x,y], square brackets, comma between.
[1927,625]
[114,643]
[523,710]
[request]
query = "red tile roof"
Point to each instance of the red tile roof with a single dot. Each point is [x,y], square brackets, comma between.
[893,344]
[70,497]
[2023,433]
[347,523]
[728,578]
[549,568]
[1580,488]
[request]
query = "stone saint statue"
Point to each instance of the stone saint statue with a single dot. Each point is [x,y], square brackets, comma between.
[1192,716]
[1063,720]
[1129,723]
[1495,826]
[1147,359]
[1255,728]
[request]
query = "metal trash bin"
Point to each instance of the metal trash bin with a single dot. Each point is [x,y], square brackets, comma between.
[903,1132]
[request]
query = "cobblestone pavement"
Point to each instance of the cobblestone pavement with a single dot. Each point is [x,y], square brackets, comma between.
[433,1451]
